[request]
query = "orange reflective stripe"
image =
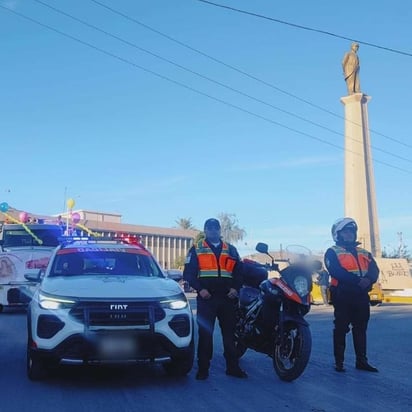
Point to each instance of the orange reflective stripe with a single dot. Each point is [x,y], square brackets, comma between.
[209,266]
[230,264]
[207,261]
[349,262]
[364,261]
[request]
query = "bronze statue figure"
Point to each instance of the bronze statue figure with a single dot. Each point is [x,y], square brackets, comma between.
[351,67]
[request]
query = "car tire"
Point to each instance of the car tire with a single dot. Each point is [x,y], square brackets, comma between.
[375,303]
[36,367]
[182,365]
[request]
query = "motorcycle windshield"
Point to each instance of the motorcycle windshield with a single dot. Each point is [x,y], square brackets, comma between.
[298,278]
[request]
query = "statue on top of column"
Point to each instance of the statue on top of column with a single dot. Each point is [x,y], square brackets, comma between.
[351,67]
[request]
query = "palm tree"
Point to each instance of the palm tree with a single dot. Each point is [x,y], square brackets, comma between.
[185,223]
[200,236]
[231,232]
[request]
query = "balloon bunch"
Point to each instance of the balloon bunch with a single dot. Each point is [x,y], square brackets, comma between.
[76,219]
[4,207]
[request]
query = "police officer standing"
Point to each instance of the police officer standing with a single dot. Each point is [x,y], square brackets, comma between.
[211,269]
[353,271]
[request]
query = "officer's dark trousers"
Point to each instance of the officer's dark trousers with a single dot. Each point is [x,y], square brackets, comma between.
[208,310]
[353,311]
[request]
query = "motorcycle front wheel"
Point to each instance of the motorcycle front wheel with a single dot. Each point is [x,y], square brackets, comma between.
[292,351]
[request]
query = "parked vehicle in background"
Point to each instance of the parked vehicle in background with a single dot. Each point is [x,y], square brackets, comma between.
[177,275]
[107,301]
[376,295]
[25,249]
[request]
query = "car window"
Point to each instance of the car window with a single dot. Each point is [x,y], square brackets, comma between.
[49,237]
[106,263]
[21,238]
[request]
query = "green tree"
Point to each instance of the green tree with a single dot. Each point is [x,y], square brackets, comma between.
[200,236]
[179,263]
[397,253]
[231,232]
[185,223]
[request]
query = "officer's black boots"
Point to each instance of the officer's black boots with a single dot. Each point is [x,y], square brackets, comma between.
[339,342]
[202,374]
[365,366]
[359,342]
[339,367]
[236,372]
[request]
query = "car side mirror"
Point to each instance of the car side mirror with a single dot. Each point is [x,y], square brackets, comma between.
[35,277]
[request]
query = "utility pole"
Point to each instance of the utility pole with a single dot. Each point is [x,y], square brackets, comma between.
[401,245]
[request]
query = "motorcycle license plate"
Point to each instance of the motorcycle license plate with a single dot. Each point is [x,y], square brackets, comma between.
[117,347]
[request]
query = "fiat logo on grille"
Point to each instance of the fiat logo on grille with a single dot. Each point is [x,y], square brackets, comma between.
[117,306]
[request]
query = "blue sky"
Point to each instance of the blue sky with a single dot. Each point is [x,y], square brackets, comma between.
[111,131]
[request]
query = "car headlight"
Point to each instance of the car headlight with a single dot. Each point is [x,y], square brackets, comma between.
[54,302]
[174,304]
[301,285]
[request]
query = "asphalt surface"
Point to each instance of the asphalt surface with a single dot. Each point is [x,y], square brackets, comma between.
[148,388]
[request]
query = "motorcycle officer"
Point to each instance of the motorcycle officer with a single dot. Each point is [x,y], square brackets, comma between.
[353,271]
[211,269]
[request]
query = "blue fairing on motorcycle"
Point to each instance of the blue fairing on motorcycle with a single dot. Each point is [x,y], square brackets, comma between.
[253,274]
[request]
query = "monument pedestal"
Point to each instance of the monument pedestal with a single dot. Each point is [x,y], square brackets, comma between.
[360,197]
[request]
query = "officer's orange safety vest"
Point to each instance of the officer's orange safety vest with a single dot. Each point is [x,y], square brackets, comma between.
[209,266]
[358,267]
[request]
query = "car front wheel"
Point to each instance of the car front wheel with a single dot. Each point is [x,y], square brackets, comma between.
[181,365]
[36,367]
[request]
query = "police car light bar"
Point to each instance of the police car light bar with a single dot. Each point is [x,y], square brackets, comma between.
[93,239]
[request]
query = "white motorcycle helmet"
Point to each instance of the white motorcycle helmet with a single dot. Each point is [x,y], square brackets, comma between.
[340,224]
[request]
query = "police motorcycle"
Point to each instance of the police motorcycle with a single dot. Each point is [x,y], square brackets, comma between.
[271,313]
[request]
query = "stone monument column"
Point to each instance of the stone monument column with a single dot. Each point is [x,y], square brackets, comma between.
[360,196]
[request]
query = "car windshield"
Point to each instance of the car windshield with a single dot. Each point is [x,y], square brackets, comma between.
[100,262]
[22,238]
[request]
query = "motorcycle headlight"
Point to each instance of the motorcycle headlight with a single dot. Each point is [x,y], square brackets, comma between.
[174,304]
[301,285]
[54,302]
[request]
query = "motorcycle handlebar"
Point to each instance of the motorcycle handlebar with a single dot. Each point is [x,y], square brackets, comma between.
[266,266]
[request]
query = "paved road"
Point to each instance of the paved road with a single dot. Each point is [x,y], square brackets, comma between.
[148,389]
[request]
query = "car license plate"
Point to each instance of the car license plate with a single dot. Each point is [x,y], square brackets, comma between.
[374,296]
[117,347]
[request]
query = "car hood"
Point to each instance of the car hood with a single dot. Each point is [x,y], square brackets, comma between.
[100,287]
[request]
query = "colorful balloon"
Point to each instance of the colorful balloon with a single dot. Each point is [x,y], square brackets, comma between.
[23,216]
[4,207]
[70,203]
[75,218]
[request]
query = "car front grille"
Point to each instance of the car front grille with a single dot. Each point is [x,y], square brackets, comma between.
[118,314]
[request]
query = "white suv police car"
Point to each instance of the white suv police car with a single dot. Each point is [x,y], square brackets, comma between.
[106,301]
